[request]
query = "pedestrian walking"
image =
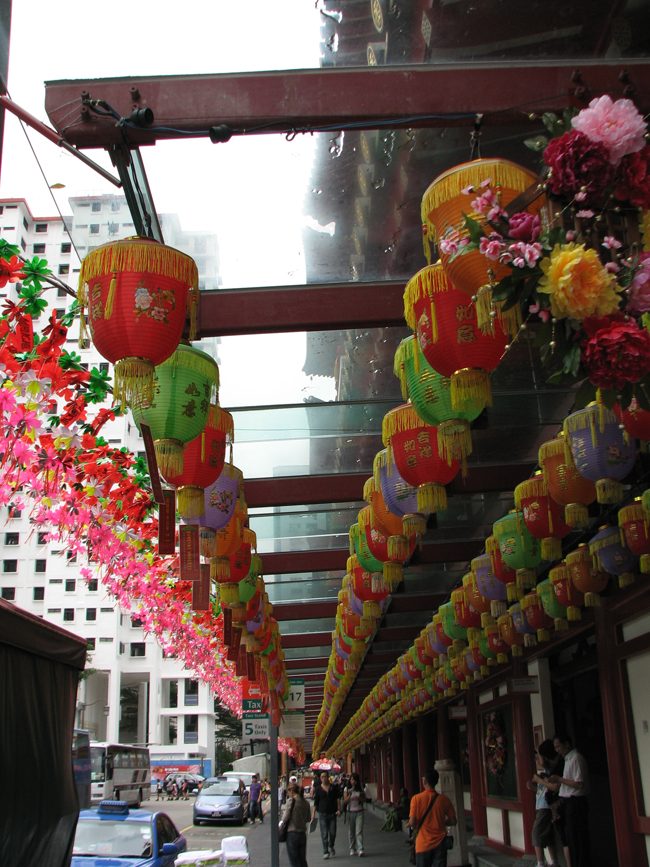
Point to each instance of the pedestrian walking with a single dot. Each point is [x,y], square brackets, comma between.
[430,814]
[296,812]
[327,804]
[574,788]
[545,794]
[255,800]
[354,799]
[159,790]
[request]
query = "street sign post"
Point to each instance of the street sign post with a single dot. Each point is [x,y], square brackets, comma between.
[296,700]
[255,727]
[292,724]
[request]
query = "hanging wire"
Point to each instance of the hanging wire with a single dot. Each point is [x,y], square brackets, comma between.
[475,139]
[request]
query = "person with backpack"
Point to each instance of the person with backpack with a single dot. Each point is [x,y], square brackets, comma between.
[431,813]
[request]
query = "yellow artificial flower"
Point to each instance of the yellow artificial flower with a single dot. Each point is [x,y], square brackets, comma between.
[577,283]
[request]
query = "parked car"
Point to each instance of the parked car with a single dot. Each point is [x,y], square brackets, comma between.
[118,836]
[221,799]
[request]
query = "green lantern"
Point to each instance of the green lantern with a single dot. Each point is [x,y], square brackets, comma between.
[430,394]
[359,546]
[186,385]
[553,608]
[520,550]
[248,585]
[452,628]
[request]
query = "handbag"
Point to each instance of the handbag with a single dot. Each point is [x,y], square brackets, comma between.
[411,841]
[283,826]
[449,842]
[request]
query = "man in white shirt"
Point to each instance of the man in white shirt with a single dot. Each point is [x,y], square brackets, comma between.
[574,787]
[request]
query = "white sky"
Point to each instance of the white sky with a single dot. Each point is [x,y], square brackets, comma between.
[249,192]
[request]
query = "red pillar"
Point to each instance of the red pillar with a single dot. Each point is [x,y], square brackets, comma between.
[409,755]
[423,752]
[476,765]
[398,763]
[525,747]
[630,844]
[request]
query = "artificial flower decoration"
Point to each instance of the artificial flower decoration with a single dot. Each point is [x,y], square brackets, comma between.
[578,165]
[577,283]
[614,351]
[617,125]
[11,271]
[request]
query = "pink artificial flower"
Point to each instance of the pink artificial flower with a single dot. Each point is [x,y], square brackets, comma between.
[485,183]
[544,315]
[491,247]
[478,204]
[638,296]
[532,254]
[449,248]
[506,257]
[618,125]
[611,243]
[612,267]
[570,236]
[519,262]
[585,215]
[580,197]
[495,212]
[524,226]
[468,190]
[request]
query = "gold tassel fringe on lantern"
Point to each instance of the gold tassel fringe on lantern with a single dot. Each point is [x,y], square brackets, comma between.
[398,547]
[139,256]
[134,382]
[169,455]
[392,574]
[229,594]
[526,579]
[432,497]
[191,501]
[644,564]
[488,311]
[220,568]
[425,284]
[371,609]
[414,524]
[609,491]
[469,387]
[551,548]
[207,542]
[455,442]
[369,488]
[576,515]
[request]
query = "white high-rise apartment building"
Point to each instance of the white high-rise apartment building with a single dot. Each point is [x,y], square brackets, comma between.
[132,694]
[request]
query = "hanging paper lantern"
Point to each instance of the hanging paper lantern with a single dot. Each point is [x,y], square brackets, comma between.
[228,539]
[370,588]
[502,571]
[430,394]
[478,602]
[532,606]
[450,197]
[239,567]
[401,498]
[359,549]
[522,625]
[601,451]
[635,421]
[564,483]
[203,462]
[219,503]
[137,292]
[553,608]
[466,615]
[484,657]
[248,585]
[399,546]
[186,384]
[414,447]
[473,666]
[566,592]
[496,641]
[444,320]
[542,516]
[389,549]
[489,586]
[612,556]
[585,575]
[634,526]
[520,550]
[509,632]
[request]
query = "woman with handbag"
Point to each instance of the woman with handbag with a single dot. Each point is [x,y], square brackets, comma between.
[293,826]
[430,814]
[546,795]
[354,799]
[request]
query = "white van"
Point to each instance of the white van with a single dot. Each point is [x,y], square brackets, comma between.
[246,776]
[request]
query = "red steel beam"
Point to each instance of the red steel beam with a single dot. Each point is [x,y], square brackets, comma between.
[402,603]
[322,639]
[502,91]
[348,487]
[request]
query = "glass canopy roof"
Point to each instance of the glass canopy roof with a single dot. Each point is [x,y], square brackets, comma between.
[329,207]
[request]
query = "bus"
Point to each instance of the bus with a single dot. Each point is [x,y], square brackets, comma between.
[119,772]
[81,765]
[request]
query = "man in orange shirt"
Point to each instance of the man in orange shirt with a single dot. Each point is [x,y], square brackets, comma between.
[430,846]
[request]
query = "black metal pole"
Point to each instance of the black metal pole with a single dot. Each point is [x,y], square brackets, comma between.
[274,817]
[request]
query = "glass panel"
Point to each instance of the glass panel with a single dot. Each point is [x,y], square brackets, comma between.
[297,627]
[637,675]
[317,527]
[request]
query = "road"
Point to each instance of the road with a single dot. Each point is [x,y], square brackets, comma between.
[203,836]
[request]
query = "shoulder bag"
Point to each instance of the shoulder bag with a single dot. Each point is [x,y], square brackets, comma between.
[283,826]
[412,840]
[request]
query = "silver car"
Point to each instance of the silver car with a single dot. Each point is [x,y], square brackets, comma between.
[220,800]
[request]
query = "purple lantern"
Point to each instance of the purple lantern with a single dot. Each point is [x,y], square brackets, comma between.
[220,500]
[522,625]
[602,452]
[471,663]
[401,498]
[612,556]
[489,585]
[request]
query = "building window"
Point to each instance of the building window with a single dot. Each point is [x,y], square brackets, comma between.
[106,610]
[192,729]
[103,366]
[40,228]
[14,512]
[23,244]
[9,593]
[138,648]
[173,730]
[96,207]
[122,648]
[115,205]
[92,585]
[64,269]
[91,614]
[70,557]
[94,228]
[42,536]
[68,614]
[60,292]
[136,623]
[53,610]
[106,640]
[11,538]
[70,585]
[90,642]
[66,248]
[55,581]
[173,693]
[10,565]
[40,565]
[39,594]
[191,692]
[39,248]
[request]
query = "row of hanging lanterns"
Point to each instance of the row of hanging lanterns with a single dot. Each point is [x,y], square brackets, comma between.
[139,295]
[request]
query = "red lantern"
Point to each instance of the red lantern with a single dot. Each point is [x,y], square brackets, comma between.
[635,420]
[506,574]
[136,292]
[476,599]
[498,644]
[631,520]
[509,633]
[390,549]
[533,609]
[450,338]
[566,591]
[542,516]
[414,446]
[585,576]
[465,613]
[564,483]
[370,588]
[203,462]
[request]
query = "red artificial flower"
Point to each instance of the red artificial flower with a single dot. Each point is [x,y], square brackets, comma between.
[614,351]
[10,271]
[578,165]
[524,226]
[634,179]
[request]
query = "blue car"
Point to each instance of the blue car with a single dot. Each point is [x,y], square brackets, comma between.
[115,836]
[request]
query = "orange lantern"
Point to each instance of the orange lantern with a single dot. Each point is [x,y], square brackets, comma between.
[566,592]
[564,483]
[509,633]
[474,595]
[449,336]
[414,447]
[137,292]
[585,575]
[542,516]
